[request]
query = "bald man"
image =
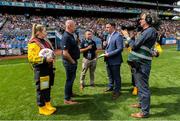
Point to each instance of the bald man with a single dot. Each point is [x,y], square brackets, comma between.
[70,53]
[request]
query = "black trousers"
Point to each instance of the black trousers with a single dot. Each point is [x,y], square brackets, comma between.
[43,95]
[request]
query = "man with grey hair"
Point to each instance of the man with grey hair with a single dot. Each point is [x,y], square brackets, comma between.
[140,60]
[70,53]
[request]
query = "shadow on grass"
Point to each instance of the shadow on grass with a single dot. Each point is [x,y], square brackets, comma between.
[165,91]
[169,108]
[126,85]
[97,106]
[100,85]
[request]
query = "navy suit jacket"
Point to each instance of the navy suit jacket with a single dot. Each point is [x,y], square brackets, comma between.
[114,49]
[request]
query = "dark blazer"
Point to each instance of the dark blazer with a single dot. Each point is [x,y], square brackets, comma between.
[114,49]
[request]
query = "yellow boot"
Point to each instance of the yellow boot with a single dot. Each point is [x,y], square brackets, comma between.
[135,91]
[44,111]
[50,107]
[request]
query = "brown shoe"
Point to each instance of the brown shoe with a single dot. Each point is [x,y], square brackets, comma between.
[139,115]
[70,102]
[115,95]
[135,106]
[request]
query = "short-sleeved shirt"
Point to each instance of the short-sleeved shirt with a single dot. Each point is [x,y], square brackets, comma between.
[68,42]
[91,53]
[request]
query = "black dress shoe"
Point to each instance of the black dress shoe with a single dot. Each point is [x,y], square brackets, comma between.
[108,90]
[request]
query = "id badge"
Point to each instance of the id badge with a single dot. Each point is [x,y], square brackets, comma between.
[44,82]
[89,55]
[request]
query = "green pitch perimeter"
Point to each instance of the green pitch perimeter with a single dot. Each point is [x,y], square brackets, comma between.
[18,97]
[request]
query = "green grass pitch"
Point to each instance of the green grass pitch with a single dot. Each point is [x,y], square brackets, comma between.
[18,97]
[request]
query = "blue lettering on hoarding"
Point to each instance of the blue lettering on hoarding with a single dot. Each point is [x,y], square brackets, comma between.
[29,4]
[40,5]
[50,6]
[5,3]
[21,4]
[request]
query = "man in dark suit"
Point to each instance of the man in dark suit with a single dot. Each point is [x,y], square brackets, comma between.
[113,58]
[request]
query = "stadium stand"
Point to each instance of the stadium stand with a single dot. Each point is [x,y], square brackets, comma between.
[15,29]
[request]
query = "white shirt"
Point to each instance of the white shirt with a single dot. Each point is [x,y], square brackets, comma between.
[110,37]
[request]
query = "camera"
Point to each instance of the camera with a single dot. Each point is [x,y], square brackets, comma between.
[132,27]
[128,27]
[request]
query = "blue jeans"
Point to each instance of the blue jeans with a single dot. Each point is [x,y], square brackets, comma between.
[70,77]
[141,76]
[113,72]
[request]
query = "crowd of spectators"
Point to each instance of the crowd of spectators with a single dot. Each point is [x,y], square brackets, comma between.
[98,7]
[17,29]
[169,28]
[22,23]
